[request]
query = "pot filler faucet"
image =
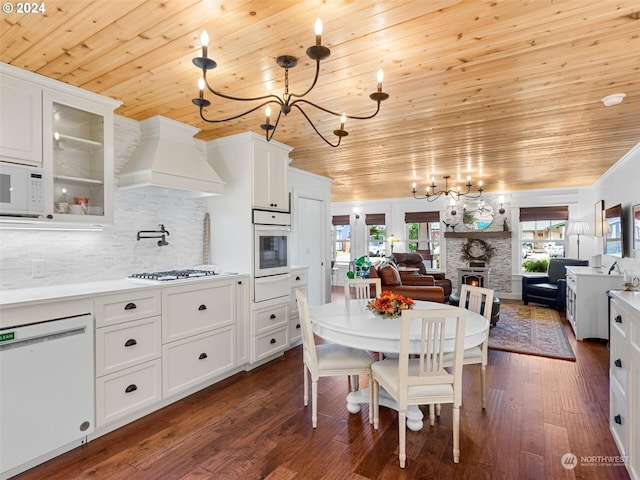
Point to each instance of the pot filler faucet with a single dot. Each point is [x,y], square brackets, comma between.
[155,234]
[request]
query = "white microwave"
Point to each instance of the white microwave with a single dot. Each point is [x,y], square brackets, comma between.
[21,190]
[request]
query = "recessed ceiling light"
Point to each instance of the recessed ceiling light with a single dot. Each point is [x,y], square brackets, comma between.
[614,99]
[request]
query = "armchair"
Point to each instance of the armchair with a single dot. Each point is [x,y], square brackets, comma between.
[550,289]
[417,287]
[416,260]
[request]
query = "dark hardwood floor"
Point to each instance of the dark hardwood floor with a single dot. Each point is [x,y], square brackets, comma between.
[254,426]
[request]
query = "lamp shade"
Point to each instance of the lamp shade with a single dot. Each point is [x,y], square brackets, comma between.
[579,227]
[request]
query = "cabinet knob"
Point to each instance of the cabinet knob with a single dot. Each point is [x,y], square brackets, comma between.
[618,319]
[297,326]
[617,418]
[130,343]
[202,356]
[273,340]
[202,307]
[273,316]
[297,278]
[618,363]
[131,388]
[239,282]
[130,306]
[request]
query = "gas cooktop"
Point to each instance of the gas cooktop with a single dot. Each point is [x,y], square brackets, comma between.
[172,275]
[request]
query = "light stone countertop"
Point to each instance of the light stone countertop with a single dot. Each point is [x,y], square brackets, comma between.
[631,298]
[30,296]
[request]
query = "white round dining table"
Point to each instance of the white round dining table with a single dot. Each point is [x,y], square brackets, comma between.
[350,323]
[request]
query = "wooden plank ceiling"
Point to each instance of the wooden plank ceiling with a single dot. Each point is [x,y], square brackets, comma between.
[507,91]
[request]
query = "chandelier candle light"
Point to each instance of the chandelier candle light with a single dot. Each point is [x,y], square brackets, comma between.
[288,100]
[432,194]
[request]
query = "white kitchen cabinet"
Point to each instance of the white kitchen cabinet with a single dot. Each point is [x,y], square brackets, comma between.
[78,158]
[269,174]
[624,377]
[298,282]
[586,305]
[20,121]
[127,354]
[193,360]
[269,329]
[66,130]
[199,332]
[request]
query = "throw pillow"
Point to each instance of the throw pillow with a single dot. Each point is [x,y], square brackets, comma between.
[390,276]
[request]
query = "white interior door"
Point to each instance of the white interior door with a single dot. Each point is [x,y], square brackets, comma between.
[310,244]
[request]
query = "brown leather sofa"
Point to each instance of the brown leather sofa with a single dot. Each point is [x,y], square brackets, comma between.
[415,260]
[417,287]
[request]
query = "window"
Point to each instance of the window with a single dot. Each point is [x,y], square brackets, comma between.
[341,234]
[377,232]
[542,236]
[423,234]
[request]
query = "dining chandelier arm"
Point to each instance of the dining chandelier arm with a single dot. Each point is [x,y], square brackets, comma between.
[270,130]
[239,99]
[316,130]
[331,112]
[236,116]
[311,87]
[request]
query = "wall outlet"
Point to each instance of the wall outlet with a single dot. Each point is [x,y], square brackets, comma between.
[38,269]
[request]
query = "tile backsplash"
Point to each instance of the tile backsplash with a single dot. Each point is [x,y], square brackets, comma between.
[76,256]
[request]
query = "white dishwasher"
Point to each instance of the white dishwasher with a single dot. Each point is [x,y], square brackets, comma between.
[46,390]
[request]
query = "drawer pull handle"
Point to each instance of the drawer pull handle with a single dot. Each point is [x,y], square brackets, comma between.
[273,316]
[130,306]
[239,282]
[297,278]
[131,388]
[297,326]
[131,342]
[618,363]
[618,318]
[273,340]
[202,356]
[202,307]
[617,418]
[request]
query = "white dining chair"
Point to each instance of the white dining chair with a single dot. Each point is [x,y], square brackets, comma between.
[361,288]
[478,300]
[326,360]
[422,379]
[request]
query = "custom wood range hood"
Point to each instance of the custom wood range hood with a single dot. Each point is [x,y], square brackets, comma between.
[167,160]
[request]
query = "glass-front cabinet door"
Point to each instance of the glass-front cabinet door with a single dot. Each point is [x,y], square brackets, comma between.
[78,158]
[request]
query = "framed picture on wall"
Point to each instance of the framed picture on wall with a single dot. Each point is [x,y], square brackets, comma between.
[598,218]
[635,217]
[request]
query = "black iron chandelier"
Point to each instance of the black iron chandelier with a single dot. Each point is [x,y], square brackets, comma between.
[432,194]
[288,100]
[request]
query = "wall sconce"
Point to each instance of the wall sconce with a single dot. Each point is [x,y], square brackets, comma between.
[501,200]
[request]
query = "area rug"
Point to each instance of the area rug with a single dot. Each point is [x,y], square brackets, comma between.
[532,330]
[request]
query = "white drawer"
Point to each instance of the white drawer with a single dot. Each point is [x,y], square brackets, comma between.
[189,312]
[571,280]
[268,288]
[295,331]
[270,343]
[620,319]
[619,420]
[193,360]
[122,393]
[126,344]
[619,362]
[113,309]
[268,318]
[298,278]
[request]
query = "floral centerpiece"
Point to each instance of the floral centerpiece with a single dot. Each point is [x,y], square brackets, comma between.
[389,304]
